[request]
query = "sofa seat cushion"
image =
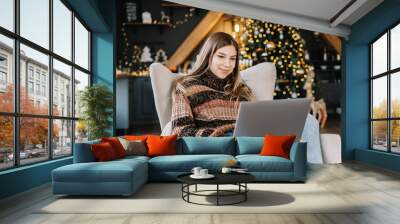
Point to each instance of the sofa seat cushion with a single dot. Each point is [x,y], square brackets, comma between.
[133,158]
[111,171]
[185,163]
[257,163]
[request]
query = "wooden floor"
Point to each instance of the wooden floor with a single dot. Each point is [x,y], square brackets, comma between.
[377,188]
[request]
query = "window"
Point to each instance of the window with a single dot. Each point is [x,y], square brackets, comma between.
[62,129]
[62,30]
[7,14]
[43,77]
[3,78]
[62,75]
[30,87]
[3,71]
[37,74]
[7,143]
[81,81]
[44,91]
[81,45]
[385,94]
[54,125]
[7,74]
[3,61]
[38,89]
[30,72]
[35,22]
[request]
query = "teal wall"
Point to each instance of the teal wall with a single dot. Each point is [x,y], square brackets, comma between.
[24,178]
[356,102]
[104,52]
[103,55]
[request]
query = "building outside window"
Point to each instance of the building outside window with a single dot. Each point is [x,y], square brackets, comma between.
[385,92]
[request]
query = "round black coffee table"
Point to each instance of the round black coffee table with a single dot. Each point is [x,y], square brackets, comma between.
[238,179]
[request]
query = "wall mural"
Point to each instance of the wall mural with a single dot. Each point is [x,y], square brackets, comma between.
[308,63]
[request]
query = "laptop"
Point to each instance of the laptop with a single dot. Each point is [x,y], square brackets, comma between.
[276,117]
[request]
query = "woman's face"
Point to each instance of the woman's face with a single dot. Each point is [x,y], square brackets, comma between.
[223,61]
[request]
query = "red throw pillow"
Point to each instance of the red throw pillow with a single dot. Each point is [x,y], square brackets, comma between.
[116,145]
[103,151]
[161,145]
[277,145]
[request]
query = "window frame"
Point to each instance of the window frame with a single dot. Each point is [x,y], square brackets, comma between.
[388,74]
[16,114]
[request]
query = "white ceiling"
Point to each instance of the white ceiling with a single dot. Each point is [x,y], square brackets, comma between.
[316,15]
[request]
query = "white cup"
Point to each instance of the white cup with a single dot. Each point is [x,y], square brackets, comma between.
[203,172]
[196,170]
[226,170]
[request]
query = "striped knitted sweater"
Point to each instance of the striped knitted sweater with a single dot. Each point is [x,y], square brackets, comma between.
[200,107]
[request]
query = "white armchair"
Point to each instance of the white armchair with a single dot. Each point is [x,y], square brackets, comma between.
[260,78]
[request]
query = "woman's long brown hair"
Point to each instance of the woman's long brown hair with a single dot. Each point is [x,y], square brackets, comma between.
[215,41]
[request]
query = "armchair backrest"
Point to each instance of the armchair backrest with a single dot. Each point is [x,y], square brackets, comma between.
[260,78]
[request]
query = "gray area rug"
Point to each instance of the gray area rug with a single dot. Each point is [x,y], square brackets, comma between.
[166,198]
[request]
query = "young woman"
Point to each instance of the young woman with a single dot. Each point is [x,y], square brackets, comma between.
[206,102]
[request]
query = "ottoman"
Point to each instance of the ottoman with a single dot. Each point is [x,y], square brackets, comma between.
[119,177]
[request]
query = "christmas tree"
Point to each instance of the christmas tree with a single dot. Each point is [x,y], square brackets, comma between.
[282,45]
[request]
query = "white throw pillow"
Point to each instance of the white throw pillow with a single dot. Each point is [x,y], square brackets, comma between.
[133,147]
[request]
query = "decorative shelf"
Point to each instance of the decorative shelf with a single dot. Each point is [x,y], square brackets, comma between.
[282,81]
[147,24]
[128,76]
[135,25]
[327,70]
[326,62]
[148,42]
[174,5]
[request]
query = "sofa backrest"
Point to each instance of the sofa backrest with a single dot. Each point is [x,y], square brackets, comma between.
[83,152]
[191,146]
[249,145]
[206,145]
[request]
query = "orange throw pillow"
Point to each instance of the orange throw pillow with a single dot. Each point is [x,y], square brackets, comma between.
[277,145]
[116,145]
[103,151]
[135,137]
[161,145]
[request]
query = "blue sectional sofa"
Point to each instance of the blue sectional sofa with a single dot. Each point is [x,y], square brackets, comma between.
[125,176]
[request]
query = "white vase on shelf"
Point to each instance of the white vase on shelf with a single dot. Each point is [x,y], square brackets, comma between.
[146,17]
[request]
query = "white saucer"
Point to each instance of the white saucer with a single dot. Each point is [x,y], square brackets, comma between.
[208,176]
